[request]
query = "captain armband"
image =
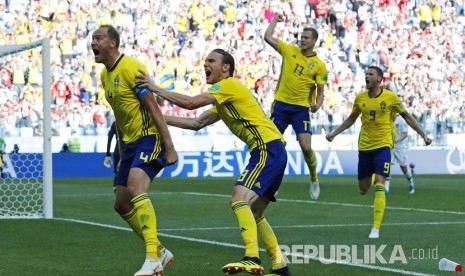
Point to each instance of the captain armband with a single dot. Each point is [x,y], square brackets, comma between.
[141,91]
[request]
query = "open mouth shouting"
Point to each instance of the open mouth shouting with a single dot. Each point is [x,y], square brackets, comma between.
[208,74]
[96,54]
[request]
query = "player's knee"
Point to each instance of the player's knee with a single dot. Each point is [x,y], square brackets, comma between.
[122,206]
[307,150]
[132,190]
[363,188]
[119,208]
[257,212]
[231,201]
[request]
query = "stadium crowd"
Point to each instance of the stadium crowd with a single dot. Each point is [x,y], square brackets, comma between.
[419,44]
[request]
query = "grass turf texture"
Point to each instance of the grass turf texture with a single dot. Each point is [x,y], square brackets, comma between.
[196,223]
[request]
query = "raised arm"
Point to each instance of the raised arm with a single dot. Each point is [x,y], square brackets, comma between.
[415,126]
[272,41]
[205,119]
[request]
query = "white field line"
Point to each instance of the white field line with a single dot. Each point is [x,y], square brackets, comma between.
[322,226]
[340,204]
[233,245]
[288,200]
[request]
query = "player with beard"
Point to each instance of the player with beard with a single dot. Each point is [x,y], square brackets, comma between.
[377,106]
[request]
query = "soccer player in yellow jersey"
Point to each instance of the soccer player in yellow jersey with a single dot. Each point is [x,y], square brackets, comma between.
[145,143]
[377,106]
[301,86]
[235,104]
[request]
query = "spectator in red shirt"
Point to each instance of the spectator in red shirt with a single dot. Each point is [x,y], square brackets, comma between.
[60,92]
[321,12]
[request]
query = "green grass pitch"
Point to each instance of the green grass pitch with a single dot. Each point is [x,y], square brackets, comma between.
[195,221]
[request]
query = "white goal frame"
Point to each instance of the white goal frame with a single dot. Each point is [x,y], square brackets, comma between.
[47,131]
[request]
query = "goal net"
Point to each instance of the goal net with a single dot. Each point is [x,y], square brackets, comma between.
[26,177]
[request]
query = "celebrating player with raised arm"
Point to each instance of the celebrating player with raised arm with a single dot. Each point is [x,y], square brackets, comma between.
[300,88]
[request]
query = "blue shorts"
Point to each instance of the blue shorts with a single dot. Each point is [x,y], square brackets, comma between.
[146,153]
[376,161]
[265,170]
[283,115]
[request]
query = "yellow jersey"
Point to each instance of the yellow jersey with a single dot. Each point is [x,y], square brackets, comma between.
[240,111]
[299,75]
[378,129]
[132,118]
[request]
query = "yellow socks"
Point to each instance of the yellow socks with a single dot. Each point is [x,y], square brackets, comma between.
[132,220]
[379,205]
[248,227]
[271,243]
[146,218]
[311,163]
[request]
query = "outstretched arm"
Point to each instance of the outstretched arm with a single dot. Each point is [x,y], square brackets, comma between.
[345,125]
[415,126]
[178,99]
[205,119]
[272,41]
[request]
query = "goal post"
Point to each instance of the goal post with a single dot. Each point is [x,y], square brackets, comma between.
[44,209]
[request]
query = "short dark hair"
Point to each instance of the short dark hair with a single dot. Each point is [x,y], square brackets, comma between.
[227,59]
[313,31]
[112,33]
[378,70]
